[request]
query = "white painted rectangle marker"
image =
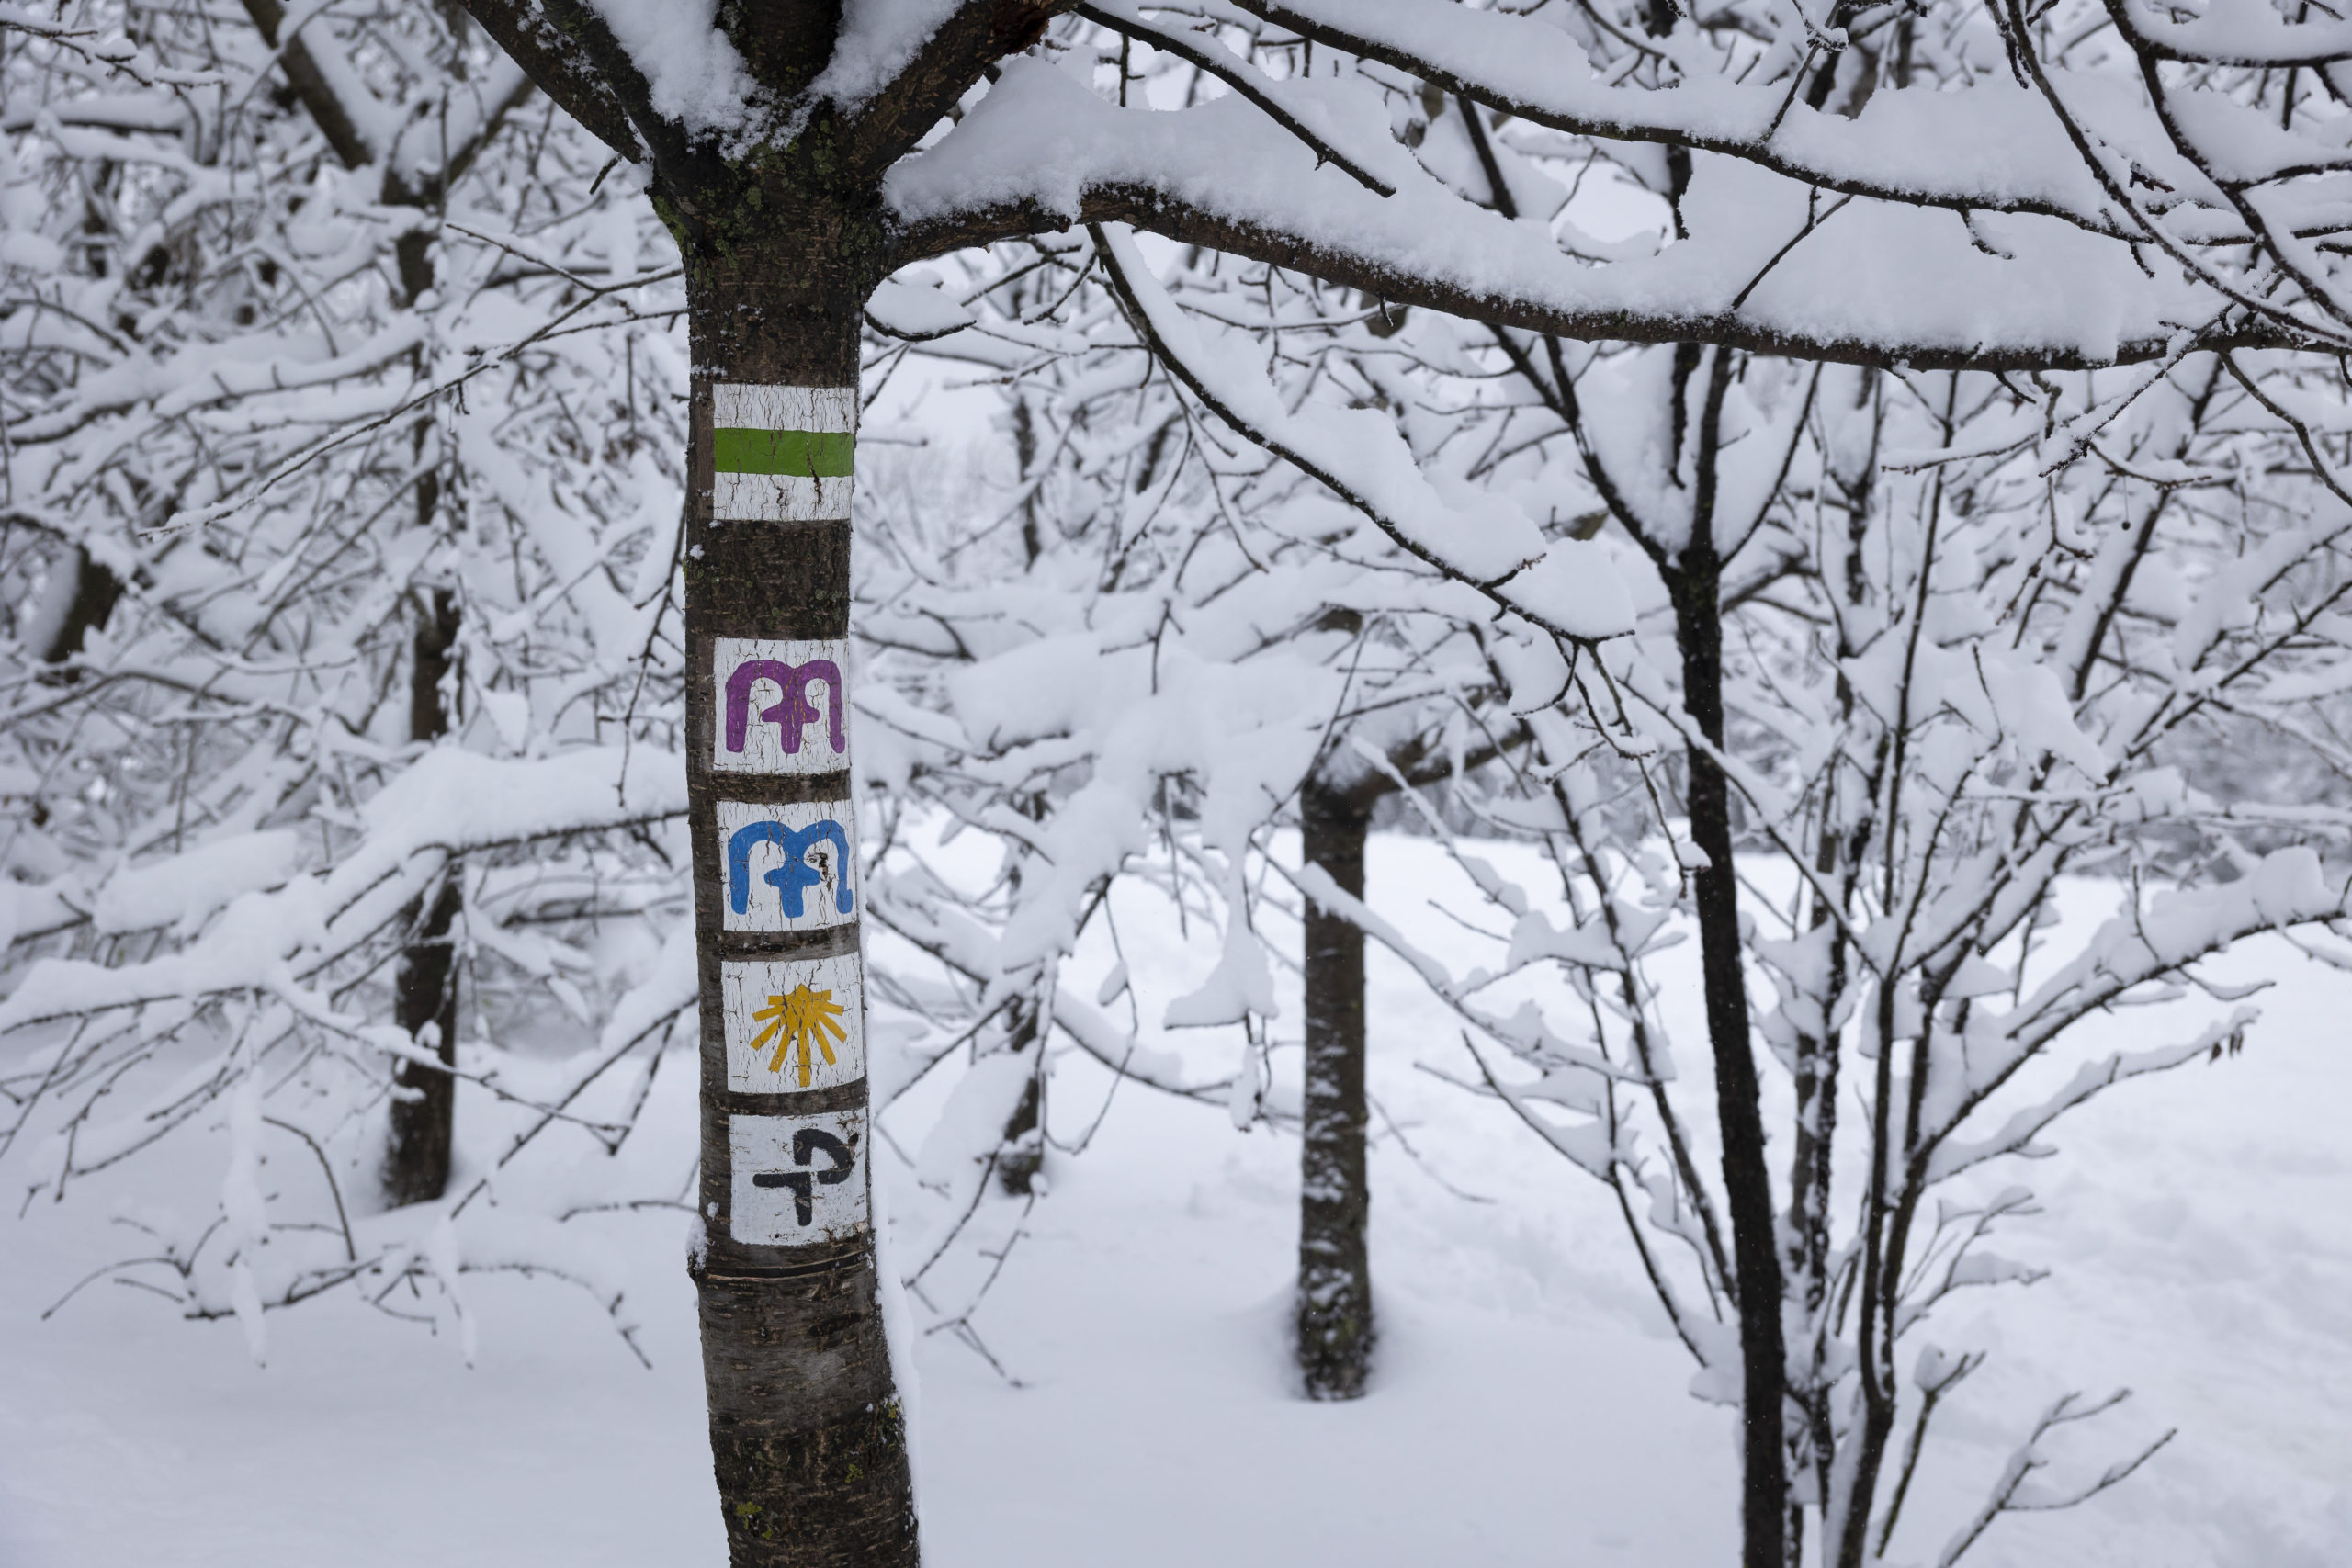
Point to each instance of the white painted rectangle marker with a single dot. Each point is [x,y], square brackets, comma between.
[792,1024]
[781,454]
[781,707]
[798,1179]
[787,868]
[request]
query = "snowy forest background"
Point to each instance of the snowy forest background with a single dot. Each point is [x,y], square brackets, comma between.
[343,434]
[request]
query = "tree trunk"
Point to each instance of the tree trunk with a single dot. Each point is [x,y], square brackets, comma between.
[422,1130]
[1022,1153]
[95,590]
[1695,585]
[424,1003]
[1334,1323]
[808,1436]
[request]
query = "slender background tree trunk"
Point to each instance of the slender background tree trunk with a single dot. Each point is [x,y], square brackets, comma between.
[423,1124]
[1696,589]
[1334,1315]
[1022,1155]
[421,1131]
[95,590]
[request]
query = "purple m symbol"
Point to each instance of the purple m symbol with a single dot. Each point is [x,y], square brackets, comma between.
[794,711]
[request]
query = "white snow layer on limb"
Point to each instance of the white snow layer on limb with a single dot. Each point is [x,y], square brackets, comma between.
[877,40]
[2030,705]
[209,374]
[971,1125]
[973,953]
[2174,929]
[1994,146]
[1241,984]
[1245,732]
[459,801]
[1524,1033]
[1532,665]
[2015,1136]
[668,990]
[915,308]
[691,69]
[1466,532]
[448,803]
[1238,986]
[183,890]
[2287,887]
[1299,103]
[1890,278]
[2142,945]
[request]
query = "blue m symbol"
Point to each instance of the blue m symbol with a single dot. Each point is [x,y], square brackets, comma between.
[796,873]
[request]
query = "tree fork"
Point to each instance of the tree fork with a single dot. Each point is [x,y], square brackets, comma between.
[1334,1314]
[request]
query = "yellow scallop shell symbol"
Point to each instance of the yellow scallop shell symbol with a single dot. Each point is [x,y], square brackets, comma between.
[795,1022]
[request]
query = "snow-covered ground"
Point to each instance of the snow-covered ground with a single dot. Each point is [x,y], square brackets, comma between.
[1530,1407]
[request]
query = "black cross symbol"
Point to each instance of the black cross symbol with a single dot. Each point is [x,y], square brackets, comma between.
[806,1141]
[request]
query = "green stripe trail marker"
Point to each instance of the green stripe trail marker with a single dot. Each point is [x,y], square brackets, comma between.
[808,453]
[781,454]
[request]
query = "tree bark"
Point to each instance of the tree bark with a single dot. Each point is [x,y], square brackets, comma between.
[808,1435]
[423,1133]
[1695,586]
[1334,1309]
[1023,1153]
[423,1125]
[781,247]
[95,591]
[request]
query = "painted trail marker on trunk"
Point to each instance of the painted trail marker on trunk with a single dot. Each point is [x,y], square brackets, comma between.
[798,1178]
[796,733]
[807,1432]
[781,454]
[794,1024]
[788,868]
